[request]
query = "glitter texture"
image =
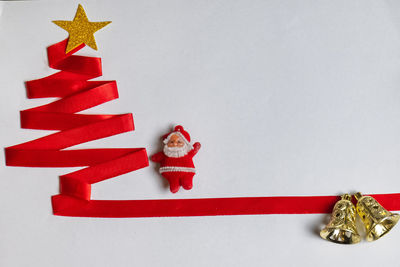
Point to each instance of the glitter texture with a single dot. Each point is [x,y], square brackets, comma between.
[81,30]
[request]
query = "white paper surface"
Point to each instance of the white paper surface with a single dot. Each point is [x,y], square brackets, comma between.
[286,97]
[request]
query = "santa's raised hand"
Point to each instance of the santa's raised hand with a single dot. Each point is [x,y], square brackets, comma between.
[176,159]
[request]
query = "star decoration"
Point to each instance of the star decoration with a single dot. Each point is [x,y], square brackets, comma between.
[80,30]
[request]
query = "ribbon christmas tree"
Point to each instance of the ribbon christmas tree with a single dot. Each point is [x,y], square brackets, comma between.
[77,93]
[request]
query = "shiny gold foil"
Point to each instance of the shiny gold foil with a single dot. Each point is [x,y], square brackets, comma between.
[377,220]
[342,226]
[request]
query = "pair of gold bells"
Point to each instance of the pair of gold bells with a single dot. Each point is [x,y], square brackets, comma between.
[342,226]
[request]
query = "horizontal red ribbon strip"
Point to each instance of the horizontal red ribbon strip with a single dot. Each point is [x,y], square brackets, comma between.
[207,206]
[76,94]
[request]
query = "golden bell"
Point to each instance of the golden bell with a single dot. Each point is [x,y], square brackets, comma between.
[377,220]
[342,226]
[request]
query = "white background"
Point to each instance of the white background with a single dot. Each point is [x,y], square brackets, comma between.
[286,97]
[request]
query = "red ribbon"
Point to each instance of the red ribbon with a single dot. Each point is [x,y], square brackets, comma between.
[76,94]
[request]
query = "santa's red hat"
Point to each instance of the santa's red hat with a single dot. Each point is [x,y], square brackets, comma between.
[179,131]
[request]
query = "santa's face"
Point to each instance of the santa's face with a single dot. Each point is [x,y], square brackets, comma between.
[176,147]
[175,141]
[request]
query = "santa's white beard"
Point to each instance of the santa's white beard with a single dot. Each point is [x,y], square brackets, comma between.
[176,152]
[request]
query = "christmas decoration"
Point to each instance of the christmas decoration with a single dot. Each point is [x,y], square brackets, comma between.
[77,93]
[176,159]
[71,84]
[377,220]
[342,226]
[81,30]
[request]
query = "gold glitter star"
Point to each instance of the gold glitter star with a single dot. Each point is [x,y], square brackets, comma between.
[80,30]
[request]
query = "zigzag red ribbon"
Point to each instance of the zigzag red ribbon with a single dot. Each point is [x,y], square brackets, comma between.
[77,94]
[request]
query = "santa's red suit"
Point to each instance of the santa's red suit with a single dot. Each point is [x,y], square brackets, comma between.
[178,167]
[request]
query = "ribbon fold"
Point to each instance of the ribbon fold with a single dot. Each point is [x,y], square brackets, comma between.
[76,94]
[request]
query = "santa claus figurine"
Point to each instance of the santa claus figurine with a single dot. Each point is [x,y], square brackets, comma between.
[176,159]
